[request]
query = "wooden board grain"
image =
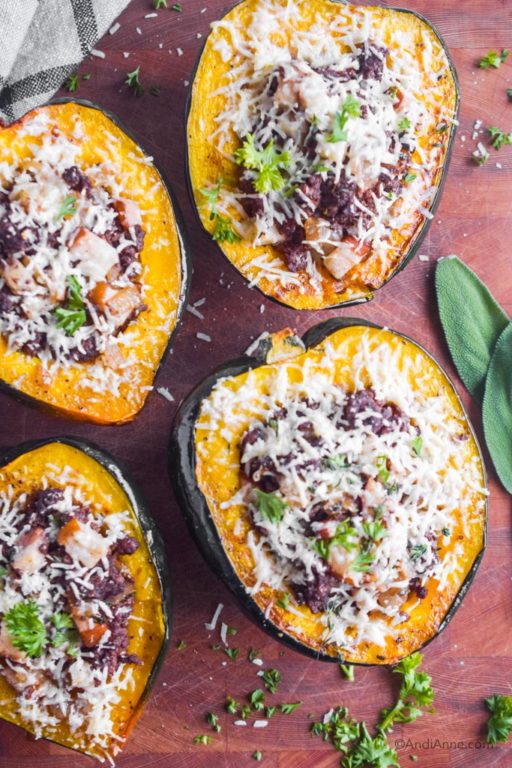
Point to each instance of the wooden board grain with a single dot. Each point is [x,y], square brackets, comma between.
[472,658]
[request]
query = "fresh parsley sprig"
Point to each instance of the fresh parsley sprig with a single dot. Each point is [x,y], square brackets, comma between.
[351,107]
[65,631]
[268,163]
[27,631]
[499,138]
[353,740]
[499,725]
[415,692]
[270,505]
[133,82]
[68,207]
[223,231]
[72,316]
[493,59]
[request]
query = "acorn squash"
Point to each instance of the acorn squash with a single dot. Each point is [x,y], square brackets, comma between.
[50,220]
[340,493]
[312,199]
[50,488]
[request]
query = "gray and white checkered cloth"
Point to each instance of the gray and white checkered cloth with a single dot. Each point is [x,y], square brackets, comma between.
[42,42]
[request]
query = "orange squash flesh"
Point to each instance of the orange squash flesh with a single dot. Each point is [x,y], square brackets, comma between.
[65,465]
[113,388]
[207,164]
[217,474]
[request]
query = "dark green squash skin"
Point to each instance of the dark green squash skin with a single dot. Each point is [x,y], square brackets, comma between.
[182,467]
[186,267]
[144,518]
[418,238]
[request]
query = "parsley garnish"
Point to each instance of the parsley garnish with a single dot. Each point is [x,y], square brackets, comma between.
[158,4]
[345,536]
[417,444]
[347,670]
[271,679]
[404,124]
[383,471]
[287,709]
[415,692]
[499,138]
[252,654]
[417,551]
[68,207]
[333,463]
[257,699]
[231,705]
[270,711]
[284,601]
[350,108]
[499,725]
[26,629]
[177,7]
[133,81]
[213,720]
[232,653]
[267,162]
[71,317]
[203,738]
[362,562]
[445,531]
[410,177]
[72,83]
[270,505]
[181,645]
[245,712]
[353,740]
[256,755]
[493,59]
[65,629]
[375,530]
[223,230]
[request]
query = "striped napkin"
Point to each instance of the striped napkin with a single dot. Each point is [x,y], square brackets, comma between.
[42,42]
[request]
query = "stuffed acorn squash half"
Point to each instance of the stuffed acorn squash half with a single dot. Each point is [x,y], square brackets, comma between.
[93,270]
[319,134]
[84,596]
[336,485]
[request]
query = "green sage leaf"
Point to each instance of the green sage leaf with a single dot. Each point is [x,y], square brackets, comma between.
[497,408]
[472,321]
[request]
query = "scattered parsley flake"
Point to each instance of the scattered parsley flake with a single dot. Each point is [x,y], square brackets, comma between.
[493,59]
[232,653]
[287,709]
[271,678]
[404,124]
[68,207]
[417,444]
[417,551]
[362,562]
[181,645]
[177,7]
[159,4]
[203,738]
[71,83]
[410,177]
[213,720]
[231,705]
[133,81]
[499,138]
[256,755]
[347,670]
[257,699]
[284,601]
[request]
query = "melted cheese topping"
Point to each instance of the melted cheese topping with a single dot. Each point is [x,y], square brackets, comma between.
[409,108]
[430,500]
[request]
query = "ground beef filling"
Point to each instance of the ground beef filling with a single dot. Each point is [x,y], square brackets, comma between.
[267,474]
[116,297]
[98,604]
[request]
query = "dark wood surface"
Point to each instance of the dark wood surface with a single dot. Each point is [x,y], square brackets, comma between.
[472,658]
